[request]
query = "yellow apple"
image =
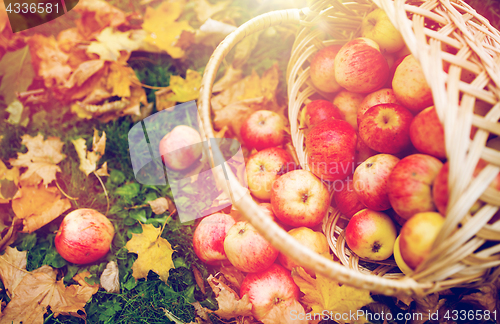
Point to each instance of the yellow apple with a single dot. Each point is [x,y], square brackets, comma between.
[399,259]
[378,27]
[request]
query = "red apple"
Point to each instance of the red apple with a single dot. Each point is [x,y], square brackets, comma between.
[348,103]
[84,236]
[346,198]
[273,287]
[330,147]
[360,67]
[322,69]
[410,183]
[264,167]
[247,250]
[263,129]
[320,110]
[371,235]
[181,147]
[370,181]
[378,97]
[363,151]
[208,238]
[385,128]
[299,198]
[427,133]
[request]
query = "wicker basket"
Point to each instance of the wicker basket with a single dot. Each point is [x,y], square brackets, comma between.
[467,251]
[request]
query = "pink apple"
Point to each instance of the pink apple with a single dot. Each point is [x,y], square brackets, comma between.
[360,67]
[410,86]
[385,128]
[263,129]
[346,198]
[264,167]
[273,287]
[378,97]
[348,103]
[410,183]
[322,69]
[208,238]
[370,181]
[427,133]
[180,148]
[371,235]
[320,110]
[299,198]
[247,250]
[330,148]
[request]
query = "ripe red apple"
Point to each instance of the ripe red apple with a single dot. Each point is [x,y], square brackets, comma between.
[320,110]
[273,287]
[299,198]
[330,147]
[208,238]
[360,67]
[427,133]
[386,127]
[262,129]
[410,86]
[417,237]
[371,235]
[322,69]
[264,167]
[377,26]
[348,103]
[247,250]
[84,236]
[410,183]
[378,97]
[180,148]
[370,181]
[346,198]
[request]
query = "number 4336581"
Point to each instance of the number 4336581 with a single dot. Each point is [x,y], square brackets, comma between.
[19,7]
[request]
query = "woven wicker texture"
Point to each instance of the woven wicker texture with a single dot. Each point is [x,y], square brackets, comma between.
[437,33]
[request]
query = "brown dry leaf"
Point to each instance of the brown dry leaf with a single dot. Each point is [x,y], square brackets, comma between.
[40,289]
[243,49]
[324,294]
[110,278]
[154,253]
[233,275]
[202,312]
[159,205]
[230,304]
[205,9]
[89,159]
[12,268]
[486,297]
[235,114]
[39,205]
[80,278]
[9,182]
[41,159]
[97,15]
[110,43]
[231,76]
[83,73]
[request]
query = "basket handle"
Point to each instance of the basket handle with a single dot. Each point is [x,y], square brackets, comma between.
[249,208]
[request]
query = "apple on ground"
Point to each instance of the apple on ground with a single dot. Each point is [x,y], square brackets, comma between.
[208,238]
[399,259]
[385,128]
[410,86]
[316,241]
[263,129]
[371,235]
[319,110]
[346,198]
[299,199]
[264,167]
[427,133]
[323,71]
[370,181]
[378,97]
[348,103]
[181,147]
[417,237]
[410,184]
[247,250]
[378,27]
[360,67]
[84,236]
[363,151]
[273,287]
[331,148]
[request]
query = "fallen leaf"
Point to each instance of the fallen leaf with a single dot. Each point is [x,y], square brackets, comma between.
[230,77]
[186,39]
[110,42]
[185,89]
[83,73]
[230,304]
[15,110]
[80,278]
[97,15]
[323,294]
[154,253]
[41,159]
[110,278]
[243,49]
[201,311]
[205,9]
[12,268]
[16,72]
[233,275]
[159,205]
[38,290]
[9,181]
[89,159]
[39,205]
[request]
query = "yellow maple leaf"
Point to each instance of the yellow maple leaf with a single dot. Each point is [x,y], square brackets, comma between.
[89,159]
[41,159]
[110,42]
[154,253]
[162,28]
[262,87]
[120,79]
[323,294]
[185,89]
